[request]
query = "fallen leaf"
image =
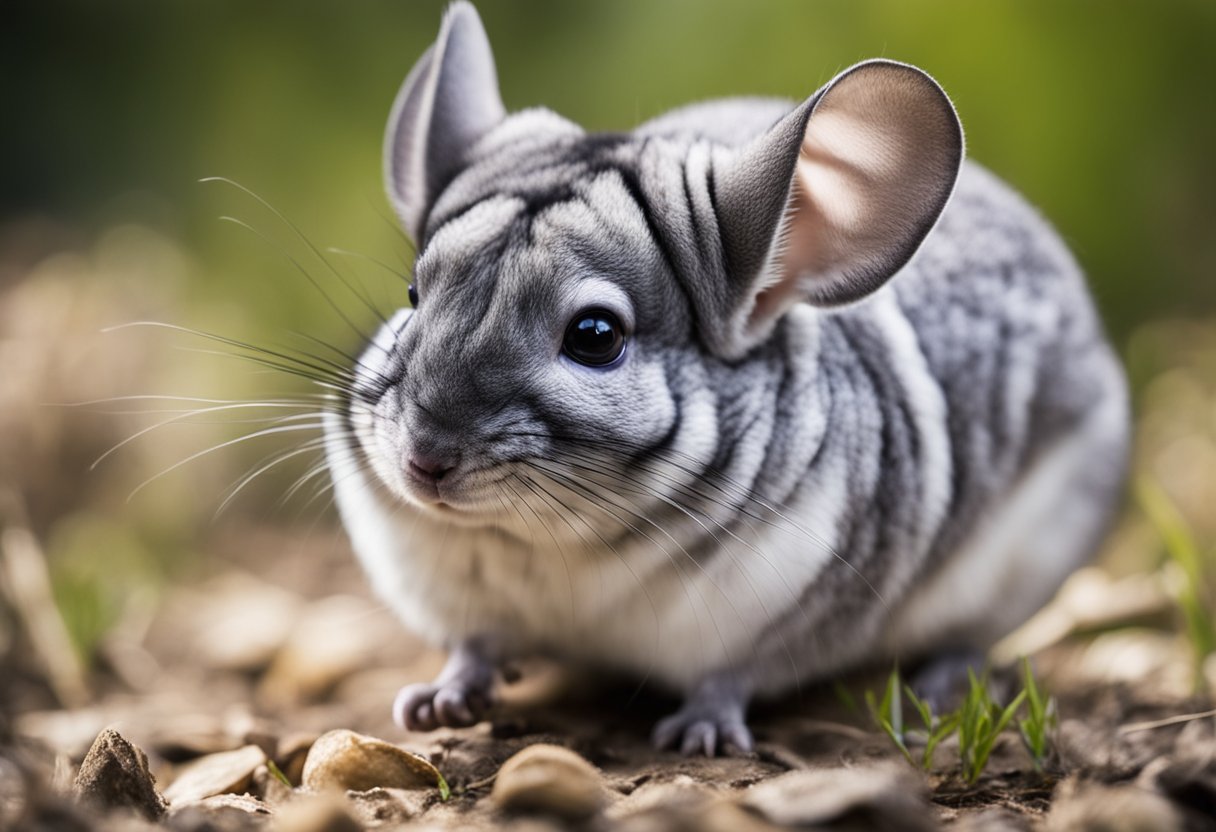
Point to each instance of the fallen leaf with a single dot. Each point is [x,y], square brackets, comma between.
[549,778]
[223,773]
[349,761]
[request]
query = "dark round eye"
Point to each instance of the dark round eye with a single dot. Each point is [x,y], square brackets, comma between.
[595,338]
[413,292]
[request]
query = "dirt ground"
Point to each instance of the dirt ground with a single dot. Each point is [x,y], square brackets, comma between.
[281,642]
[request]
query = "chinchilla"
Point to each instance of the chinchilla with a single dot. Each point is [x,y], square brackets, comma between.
[753,394]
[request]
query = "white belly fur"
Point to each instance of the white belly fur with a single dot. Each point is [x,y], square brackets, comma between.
[652,622]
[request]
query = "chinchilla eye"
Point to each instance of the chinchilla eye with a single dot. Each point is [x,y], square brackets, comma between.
[413,293]
[595,337]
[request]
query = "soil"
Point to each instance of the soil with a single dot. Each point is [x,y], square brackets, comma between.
[221,691]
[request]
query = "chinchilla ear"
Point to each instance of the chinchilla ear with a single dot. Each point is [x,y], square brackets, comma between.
[834,199]
[449,100]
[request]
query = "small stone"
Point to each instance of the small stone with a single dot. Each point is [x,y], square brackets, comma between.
[332,639]
[884,796]
[717,815]
[316,813]
[549,778]
[724,816]
[186,736]
[1188,777]
[992,820]
[1092,807]
[680,792]
[240,622]
[115,775]
[223,773]
[345,760]
[387,807]
[227,812]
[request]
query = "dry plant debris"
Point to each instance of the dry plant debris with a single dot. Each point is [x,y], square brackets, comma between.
[344,760]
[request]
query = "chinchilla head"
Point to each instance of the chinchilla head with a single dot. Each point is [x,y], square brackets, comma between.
[583,299]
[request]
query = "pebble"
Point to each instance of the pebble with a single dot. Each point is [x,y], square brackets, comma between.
[549,778]
[1092,807]
[388,807]
[316,813]
[215,774]
[239,622]
[227,812]
[716,816]
[345,760]
[1187,776]
[332,639]
[115,775]
[992,820]
[679,792]
[887,796]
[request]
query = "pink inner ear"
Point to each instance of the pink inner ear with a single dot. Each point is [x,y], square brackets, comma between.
[875,161]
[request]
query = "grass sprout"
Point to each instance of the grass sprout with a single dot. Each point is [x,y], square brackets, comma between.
[937,728]
[978,722]
[1182,551]
[888,713]
[445,791]
[981,721]
[277,773]
[845,698]
[1039,723]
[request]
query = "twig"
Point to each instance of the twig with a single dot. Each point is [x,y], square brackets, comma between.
[479,784]
[1164,723]
[26,581]
[823,726]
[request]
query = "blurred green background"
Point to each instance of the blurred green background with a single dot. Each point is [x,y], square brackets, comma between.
[1103,112]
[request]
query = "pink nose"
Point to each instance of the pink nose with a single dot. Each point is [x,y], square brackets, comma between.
[432,468]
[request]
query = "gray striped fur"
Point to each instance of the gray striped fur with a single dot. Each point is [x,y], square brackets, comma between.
[914,472]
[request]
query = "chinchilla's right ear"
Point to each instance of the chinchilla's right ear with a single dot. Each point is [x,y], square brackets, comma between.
[449,100]
[832,201]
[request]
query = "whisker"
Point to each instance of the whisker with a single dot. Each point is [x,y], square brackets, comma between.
[541,492]
[397,228]
[298,233]
[644,491]
[373,260]
[561,551]
[294,365]
[255,435]
[714,479]
[345,387]
[180,417]
[688,511]
[308,447]
[301,481]
[190,399]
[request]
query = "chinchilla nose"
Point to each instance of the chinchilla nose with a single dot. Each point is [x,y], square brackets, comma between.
[432,466]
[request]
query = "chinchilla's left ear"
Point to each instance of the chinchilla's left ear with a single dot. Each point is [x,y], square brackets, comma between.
[449,100]
[833,200]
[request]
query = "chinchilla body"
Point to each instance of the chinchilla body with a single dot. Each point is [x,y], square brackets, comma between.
[863,406]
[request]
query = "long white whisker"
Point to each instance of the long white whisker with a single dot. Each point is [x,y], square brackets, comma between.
[308,447]
[221,446]
[179,418]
